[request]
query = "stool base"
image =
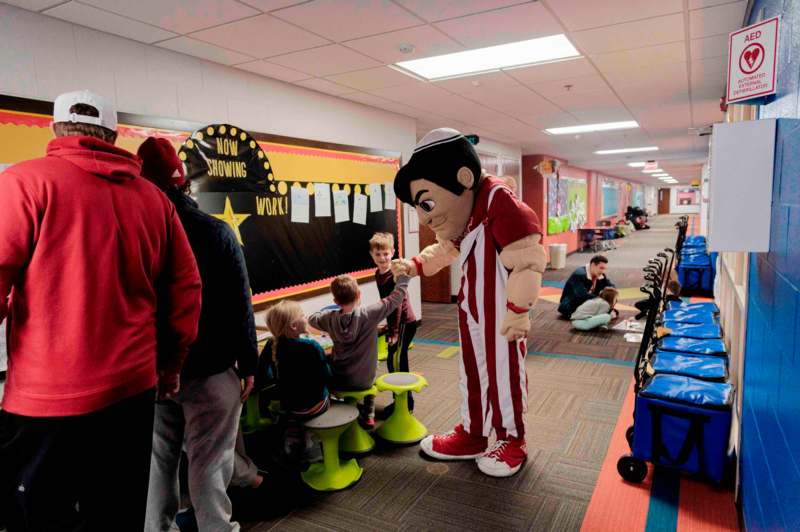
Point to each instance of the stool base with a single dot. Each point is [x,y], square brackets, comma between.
[321,478]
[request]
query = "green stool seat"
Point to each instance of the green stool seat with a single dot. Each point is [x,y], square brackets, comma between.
[251,418]
[355,439]
[331,474]
[383,348]
[402,426]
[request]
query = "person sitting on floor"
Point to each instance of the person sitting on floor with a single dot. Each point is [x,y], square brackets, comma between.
[596,312]
[585,283]
[354,331]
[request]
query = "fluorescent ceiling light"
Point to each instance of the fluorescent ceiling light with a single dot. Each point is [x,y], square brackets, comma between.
[637,165]
[653,171]
[627,150]
[541,50]
[661,175]
[589,128]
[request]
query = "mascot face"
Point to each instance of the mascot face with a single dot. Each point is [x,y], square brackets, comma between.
[447,214]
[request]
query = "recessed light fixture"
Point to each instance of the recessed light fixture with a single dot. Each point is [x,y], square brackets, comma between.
[637,165]
[589,128]
[530,52]
[653,171]
[627,150]
[660,175]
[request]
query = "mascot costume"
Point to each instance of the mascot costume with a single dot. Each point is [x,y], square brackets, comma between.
[495,239]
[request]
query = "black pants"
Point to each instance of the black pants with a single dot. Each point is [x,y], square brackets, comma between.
[87,473]
[399,361]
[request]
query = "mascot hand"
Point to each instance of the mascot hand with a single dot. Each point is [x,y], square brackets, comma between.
[403,267]
[515,326]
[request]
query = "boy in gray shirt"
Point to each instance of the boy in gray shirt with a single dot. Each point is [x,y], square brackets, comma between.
[354,331]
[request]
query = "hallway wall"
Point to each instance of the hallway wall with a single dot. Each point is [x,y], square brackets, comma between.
[770,467]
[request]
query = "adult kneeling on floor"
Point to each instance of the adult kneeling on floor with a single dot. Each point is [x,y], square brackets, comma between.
[584,284]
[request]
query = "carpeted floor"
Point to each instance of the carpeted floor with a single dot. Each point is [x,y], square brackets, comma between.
[577,384]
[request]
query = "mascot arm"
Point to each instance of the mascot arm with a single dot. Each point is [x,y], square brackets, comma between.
[430,260]
[526,261]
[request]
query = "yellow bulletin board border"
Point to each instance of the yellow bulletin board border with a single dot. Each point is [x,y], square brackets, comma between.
[38,113]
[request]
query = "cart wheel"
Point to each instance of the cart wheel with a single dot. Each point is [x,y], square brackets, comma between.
[632,469]
[629,436]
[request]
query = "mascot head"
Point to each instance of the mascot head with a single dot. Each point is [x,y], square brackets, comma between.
[440,181]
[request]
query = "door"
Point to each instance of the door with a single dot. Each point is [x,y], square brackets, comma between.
[663,200]
[435,289]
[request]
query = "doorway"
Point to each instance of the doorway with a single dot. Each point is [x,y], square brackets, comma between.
[435,289]
[663,200]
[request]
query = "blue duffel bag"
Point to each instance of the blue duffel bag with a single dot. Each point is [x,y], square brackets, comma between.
[695,277]
[694,240]
[705,306]
[701,331]
[688,316]
[704,367]
[692,346]
[684,423]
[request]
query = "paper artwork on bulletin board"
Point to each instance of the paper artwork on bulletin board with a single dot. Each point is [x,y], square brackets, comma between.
[637,197]
[688,196]
[566,204]
[610,198]
[263,187]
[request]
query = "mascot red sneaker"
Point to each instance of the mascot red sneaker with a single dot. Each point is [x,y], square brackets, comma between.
[494,239]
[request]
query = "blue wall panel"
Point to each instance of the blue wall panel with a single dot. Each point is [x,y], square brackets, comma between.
[770,454]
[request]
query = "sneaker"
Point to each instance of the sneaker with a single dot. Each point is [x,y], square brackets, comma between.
[504,458]
[367,423]
[455,445]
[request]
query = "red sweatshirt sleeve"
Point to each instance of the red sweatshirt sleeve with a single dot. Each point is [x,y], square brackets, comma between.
[20,224]
[179,299]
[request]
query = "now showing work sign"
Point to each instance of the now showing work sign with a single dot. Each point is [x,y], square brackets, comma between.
[752,58]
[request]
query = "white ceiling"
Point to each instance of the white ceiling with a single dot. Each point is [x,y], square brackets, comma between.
[660,62]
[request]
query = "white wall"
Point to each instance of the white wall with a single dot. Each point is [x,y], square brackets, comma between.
[41,57]
[674,208]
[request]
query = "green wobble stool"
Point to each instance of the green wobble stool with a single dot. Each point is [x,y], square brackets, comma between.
[402,426]
[355,439]
[331,474]
[251,419]
[383,348]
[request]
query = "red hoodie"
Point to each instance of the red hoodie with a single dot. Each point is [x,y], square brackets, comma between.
[88,252]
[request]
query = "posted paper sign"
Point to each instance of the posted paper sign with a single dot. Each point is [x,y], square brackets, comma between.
[322,199]
[360,209]
[375,198]
[391,199]
[752,58]
[341,207]
[300,205]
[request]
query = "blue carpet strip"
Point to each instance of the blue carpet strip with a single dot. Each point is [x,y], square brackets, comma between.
[662,514]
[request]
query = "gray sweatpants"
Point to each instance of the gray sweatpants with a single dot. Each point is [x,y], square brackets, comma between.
[204,417]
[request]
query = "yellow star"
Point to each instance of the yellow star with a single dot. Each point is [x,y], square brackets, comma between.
[232,219]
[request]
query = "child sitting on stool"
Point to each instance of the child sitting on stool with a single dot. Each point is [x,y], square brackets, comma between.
[302,371]
[596,312]
[354,331]
[401,324]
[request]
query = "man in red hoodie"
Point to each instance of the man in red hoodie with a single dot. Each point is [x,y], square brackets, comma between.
[95,272]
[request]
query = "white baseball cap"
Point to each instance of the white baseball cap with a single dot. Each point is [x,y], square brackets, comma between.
[62,105]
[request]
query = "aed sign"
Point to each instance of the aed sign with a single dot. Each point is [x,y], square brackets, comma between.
[752,58]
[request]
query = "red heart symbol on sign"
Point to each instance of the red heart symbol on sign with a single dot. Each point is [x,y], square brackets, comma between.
[751,56]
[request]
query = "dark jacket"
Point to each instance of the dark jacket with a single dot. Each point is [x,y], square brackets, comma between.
[578,289]
[303,372]
[227,331]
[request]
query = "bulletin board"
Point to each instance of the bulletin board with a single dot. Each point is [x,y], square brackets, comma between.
[271,191]
[566,204]
[610,198]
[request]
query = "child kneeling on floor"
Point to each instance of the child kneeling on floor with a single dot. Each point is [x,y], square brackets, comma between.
[354,331]
[596,312]
[302,372]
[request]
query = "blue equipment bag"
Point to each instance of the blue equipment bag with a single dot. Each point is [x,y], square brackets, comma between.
[688,316]
[701,331]
[692,346]
[694,276]
[705,367]
[694,241]
[684,423]
[693,307]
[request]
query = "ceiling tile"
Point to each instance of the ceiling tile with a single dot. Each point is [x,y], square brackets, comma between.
[109,22]
[373,78]
[708,47]
[326,60]
[580,14]
[271,5]
[526,21]
[381,103]
[582,101]
[599,114]
[567,69]
[706,112]
[180,16]
[427,41]
[647,57]
[33,5]
[518,99]
[189,46]
[667,78]
[630,35]
[323,85]
[420,95]
[271,70]
[710,72]
[699,4]
[634,97]
[548,120]
[445,9]
[717,20]
[341,20]
[554,89]
[666,117]
[262,36]
[489,81]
